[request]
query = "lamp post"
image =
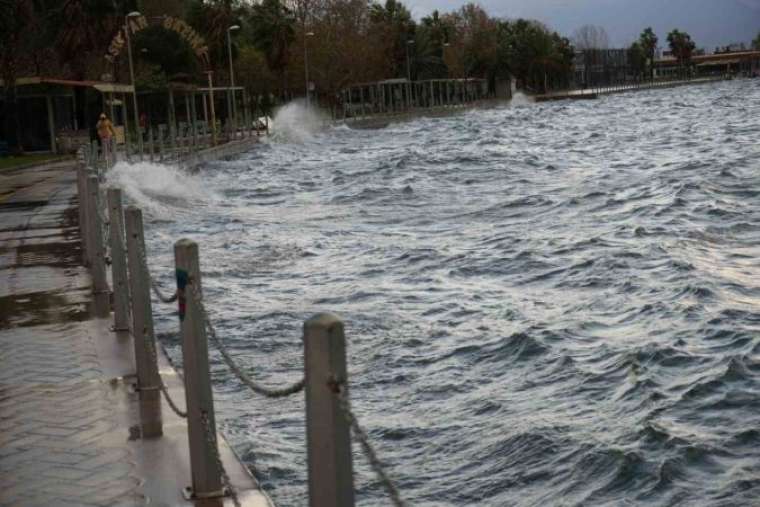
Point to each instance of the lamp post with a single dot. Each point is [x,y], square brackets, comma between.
[306,66]
[409,74]
[133,14]
[232,72]
[408,66]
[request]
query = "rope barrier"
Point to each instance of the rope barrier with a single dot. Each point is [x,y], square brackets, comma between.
[239,373]
[157,291]
[369,452]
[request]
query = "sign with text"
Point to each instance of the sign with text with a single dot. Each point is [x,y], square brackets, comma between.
[178,26]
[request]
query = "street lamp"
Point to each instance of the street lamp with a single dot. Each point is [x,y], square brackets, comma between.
[306,66]
[232,73]
[408,67]
[133,14]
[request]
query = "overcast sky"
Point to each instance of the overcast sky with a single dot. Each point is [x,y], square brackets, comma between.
[710,22]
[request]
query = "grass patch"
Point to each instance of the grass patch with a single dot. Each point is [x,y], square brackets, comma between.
[22,160]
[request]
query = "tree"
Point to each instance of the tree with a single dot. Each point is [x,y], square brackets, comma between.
[682,46]
[431,42]
[271,30]
[14,17]
[394,21]
[591,37]
[637,59]
[648,43]
[212,18]
[756,43]
[536,56]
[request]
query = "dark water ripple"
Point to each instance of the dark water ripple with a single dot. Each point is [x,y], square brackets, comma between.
[546,305]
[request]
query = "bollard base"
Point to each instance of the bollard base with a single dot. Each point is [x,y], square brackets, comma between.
[190,495]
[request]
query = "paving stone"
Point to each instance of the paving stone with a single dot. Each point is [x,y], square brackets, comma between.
[55,411]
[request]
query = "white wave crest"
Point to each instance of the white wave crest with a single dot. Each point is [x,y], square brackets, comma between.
[159,189]
[294,122]
[520,99]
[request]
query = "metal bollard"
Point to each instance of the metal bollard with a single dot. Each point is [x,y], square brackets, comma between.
[82,211]
[161,148]
[118,261]
[102,303]
[198,395]
[172,142]
[94,154]
[148,379]
[328,437]
[150,144]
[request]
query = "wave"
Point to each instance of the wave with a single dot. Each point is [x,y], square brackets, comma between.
[160,189]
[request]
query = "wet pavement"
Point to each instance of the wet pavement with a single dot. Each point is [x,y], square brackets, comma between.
[67,410]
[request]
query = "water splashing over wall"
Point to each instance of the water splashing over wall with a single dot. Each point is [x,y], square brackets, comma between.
[294,122]
[156,188]
[520,99]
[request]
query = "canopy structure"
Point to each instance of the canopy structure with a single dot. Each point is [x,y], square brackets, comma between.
[56,114]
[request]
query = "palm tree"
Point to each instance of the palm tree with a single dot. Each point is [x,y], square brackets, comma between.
[648,42]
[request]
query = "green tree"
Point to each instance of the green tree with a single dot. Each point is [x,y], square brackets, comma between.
[271,30]
[431,43]
[14,18]
[682,47]
[756,43]
[394,22]
[648,42]
[212,18]
[637,59]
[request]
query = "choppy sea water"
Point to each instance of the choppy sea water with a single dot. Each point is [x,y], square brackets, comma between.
[553,304]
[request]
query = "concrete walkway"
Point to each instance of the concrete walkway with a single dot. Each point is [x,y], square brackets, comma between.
[67,413]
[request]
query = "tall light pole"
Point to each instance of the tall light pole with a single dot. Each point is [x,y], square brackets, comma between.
[408,66]
[232,72]
[306,66]
[133,14]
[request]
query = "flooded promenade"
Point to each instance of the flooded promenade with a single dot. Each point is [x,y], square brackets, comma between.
[68,412]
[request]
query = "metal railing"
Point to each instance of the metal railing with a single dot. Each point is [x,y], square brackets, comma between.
[180,146]
[329,417]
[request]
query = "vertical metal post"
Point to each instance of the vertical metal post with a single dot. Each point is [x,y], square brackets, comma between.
[151,148]
[211,106]
[328,436]
[161,147]
[198,395]
[172,120]
[118,261]
[82,209]
[189,120]
[127,29]
[194,120]
[172,141]
[125,115]
[148,379]
[102,303]
[94,155]
[51,121]
[247,113]
[205,116]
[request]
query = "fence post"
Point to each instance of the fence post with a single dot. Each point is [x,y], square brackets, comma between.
[102,306]
[161,148]
[198,396]
[148,379]
[82,191]
[150,144]
[118,261]
[328,438]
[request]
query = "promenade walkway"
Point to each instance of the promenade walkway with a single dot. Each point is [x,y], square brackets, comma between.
[68,418]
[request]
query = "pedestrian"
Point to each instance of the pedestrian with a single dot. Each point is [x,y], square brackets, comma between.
[106,134]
